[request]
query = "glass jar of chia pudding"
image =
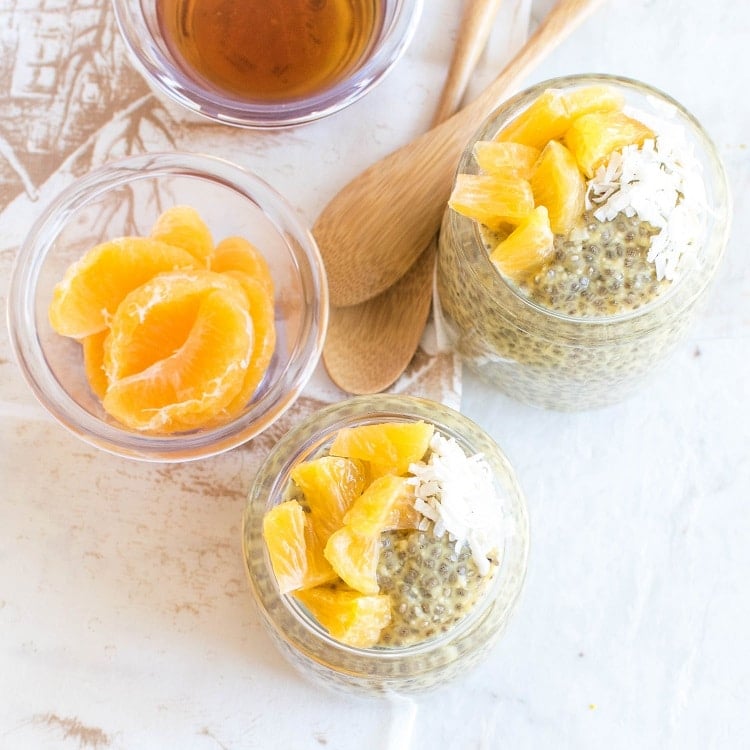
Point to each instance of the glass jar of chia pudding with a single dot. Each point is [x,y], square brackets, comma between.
[609,294]
[442,590]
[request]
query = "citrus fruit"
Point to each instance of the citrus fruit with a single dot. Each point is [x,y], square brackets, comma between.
[390,447]
[550,115]
[378,506]
[526,248]
[349,616]
[330,485]
[238,254]
[593,137]
[93,362]
[559,186]
[296,553]
[492,200]
[503,158]
[93,287]
[192,384]
[354,558]
[183,227]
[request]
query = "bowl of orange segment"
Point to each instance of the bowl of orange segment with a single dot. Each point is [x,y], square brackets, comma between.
[385,540]
[168,307]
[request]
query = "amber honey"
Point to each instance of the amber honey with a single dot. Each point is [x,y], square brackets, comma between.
[270,50]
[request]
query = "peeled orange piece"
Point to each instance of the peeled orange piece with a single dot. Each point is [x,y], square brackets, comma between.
[559,186]
[592,138]
[192,384]
[354,558]
[261,309]
[93,362]
[390,447]
[349,616]
[238,254]
[296,553]
[492,200]
[550,115]
[378,506]
[526,248]
[330,485]
[93,287]
[183,227]
[503,158]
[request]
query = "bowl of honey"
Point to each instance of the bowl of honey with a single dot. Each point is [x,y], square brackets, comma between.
[265,63]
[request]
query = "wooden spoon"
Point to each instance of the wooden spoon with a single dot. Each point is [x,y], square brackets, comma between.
[369,345]
[373,230]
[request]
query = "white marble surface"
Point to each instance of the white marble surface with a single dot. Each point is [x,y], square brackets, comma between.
[125,621]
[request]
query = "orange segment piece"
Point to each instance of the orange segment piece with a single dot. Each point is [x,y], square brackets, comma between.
[503,158]
[330,485]
[238,254]
[492,200]
[379,505]
[260,307]
[183,227]
[550,115]
[526,248]
[93,362]
[354,558]
[93,287]
[191,385]
[296,553]
[559,186]
[390,447]
[349,616]
[592,138]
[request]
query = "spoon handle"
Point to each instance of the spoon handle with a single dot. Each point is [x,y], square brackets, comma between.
[475,28]
[406,192]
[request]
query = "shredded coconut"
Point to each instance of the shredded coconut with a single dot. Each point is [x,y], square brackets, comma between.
[661,183]
[457,493]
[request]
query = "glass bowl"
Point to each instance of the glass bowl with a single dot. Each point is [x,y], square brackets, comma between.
[549,358]
[390,26]
[124,198]
[424,664]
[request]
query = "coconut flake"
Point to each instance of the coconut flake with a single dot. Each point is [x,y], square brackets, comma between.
[660,182]
[458,495]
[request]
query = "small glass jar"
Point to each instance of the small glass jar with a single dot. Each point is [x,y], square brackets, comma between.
[379,670]
[559,361]
[168,73]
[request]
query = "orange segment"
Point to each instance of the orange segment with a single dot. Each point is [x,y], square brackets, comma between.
[526,248]
[354,558]
[349,616]
[193,384]
[183,227]
[93,287]
[296,553]
[550,115]
[390,447]
[238,254]
[93,362]
[592,138]
[502,158]
[330,485]
[379,505]
[260,307]
[558,185]
[492,200]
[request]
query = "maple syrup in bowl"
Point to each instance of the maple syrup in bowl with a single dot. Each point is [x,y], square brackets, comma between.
[265,63]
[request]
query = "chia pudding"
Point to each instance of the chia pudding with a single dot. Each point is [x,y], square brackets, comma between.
[447,570]
[617,289]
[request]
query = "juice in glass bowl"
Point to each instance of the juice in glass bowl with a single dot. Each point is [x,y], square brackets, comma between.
[385,540]
[587,220]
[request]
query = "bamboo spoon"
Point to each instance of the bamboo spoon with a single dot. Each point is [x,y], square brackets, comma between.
[373,230]
[369,345]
